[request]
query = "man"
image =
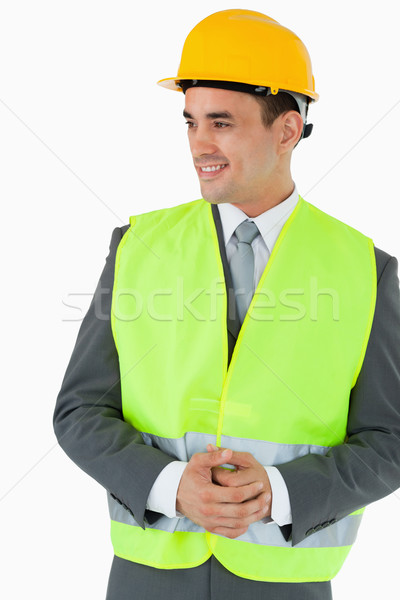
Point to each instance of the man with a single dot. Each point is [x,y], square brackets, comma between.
[235,382]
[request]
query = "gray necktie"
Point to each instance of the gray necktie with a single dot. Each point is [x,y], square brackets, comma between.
[242,266]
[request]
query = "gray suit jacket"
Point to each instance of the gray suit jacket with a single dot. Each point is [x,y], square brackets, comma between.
[90,428]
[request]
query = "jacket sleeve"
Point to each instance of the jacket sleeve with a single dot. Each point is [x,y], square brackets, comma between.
[88,420]
[324,489]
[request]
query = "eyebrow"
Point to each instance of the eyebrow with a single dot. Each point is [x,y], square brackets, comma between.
[213,115]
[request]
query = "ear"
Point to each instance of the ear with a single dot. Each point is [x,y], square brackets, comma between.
[291,127]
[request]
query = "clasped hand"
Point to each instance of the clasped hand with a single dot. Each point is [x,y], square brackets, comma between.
[221,500]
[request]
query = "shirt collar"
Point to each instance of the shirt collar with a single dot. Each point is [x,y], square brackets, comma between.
[269,222]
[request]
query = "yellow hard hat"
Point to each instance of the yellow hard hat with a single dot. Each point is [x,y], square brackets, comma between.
[245,47]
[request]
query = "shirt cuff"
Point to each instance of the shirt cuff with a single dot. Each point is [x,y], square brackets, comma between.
[281,511]
[162,496]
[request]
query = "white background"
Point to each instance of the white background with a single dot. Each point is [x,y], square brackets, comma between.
[87,138]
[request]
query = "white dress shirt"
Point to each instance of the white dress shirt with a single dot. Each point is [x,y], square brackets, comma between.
[162,497]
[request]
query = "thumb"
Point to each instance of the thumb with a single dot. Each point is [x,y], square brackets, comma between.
[224,451]
[216,456]
[212,448]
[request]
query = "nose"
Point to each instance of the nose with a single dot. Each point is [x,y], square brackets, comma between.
[201,141]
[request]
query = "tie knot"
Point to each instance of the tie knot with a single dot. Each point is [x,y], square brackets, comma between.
[246,231]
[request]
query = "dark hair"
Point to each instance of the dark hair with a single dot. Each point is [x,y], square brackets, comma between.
[274,105]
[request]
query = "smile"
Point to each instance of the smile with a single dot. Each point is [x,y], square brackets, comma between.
[213,168]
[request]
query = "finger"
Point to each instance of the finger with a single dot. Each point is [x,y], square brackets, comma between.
[235,495]
[211,459]
[235,478]
[224,476]
[216,524]
[242,459]
[212,448]
[237,515]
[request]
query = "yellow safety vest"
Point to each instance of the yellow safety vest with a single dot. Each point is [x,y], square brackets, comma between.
[286,391]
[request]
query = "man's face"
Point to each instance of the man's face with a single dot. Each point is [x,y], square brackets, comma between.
[226,134]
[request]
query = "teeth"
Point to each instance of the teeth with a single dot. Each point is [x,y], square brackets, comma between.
[208,169]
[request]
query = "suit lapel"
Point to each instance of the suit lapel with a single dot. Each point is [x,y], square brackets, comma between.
[233,323]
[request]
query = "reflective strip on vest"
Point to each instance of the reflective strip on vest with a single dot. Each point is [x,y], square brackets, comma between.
[267,453]
[341,533]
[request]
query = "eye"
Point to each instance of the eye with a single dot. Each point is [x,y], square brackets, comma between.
[190,124]
[221,125]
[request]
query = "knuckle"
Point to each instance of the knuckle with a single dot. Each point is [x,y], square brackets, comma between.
[256,488]
[265,499]
[242,512]
[206,510]
[205,496]
[236,523]
[237,495]
[239,512]
[202,510]
[262,503]
[195,458]
[261,512]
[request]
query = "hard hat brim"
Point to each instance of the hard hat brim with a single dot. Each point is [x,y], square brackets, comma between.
[170,83]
